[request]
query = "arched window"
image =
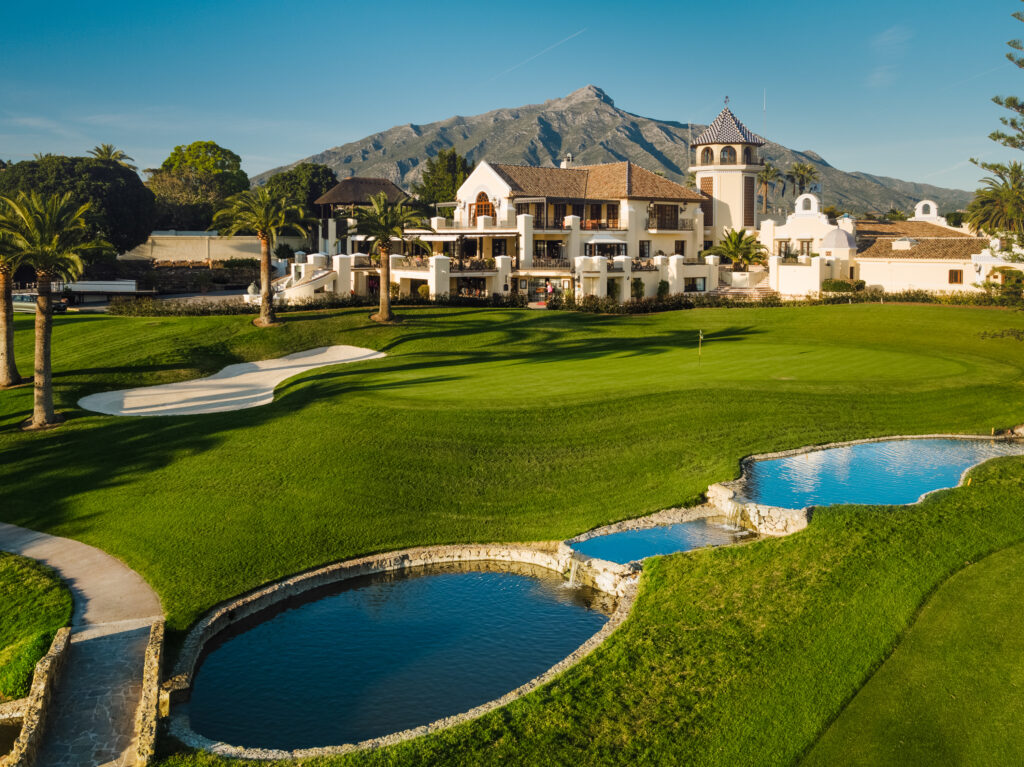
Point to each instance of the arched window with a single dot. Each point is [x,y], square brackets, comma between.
[747,157]
[808,205]
[707,156]
[482,207]
[728,155]
[926,210]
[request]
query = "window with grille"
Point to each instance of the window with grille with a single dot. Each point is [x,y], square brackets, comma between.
[748,201]
[645,248]
[956,276]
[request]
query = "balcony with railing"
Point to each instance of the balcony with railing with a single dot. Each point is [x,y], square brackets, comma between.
[413,262]
[542,262]
[614,266]
[602,225]
[644,265]
[472,265]
[670,223]
[364,261]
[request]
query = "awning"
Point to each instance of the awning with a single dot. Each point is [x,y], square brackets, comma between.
[604,239]
[437,237]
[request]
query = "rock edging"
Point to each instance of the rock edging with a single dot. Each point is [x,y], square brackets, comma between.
[619,580]
[44,680]
[148,713]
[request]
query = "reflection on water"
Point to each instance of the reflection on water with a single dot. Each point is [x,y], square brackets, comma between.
[633,545]
[893,472]
[388,652]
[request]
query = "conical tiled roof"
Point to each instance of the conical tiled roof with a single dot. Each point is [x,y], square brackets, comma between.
[726,129]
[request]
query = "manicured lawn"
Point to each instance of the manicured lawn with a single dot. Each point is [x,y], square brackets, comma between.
[33,605]
[953,692]
[517,425]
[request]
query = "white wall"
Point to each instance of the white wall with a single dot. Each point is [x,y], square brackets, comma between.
[197,248]
[893,274]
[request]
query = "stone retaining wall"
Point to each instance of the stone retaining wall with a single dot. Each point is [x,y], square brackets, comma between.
[148,712]
[13,710]
[613,579]
[44,679]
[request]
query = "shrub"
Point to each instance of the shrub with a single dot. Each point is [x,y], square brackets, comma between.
[424,292]
[284,251]
[842,286]
[663,290]
[236,263]
[636,288]
[613,290]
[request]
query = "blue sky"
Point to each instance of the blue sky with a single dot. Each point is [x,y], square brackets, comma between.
[898,89]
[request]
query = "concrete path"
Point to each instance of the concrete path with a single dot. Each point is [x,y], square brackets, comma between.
[93,719]
[247,384]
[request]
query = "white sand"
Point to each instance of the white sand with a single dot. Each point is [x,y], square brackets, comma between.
[247,384]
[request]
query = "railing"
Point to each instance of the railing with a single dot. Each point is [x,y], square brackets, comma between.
[472,265]
[540,262]
[682,225]
[614,266]
[612,223]
[644,265]
[413,262]
[549,225]
[363,261]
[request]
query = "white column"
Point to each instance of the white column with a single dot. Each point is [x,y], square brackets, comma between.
[503,280]
[343,268]
[774,267]
[439,276]
[675,274]
[524,225]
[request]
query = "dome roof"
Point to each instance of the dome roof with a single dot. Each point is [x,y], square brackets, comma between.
[838,238]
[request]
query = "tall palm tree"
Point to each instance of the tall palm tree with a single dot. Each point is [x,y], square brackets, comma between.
[998,208]
[112,153]
[767,178]
[257,210]
[803,174]
[10,259]
[740,248]
[383,222]
[50,234]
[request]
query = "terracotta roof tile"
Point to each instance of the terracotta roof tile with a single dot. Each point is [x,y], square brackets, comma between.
[610,181]
[944,248]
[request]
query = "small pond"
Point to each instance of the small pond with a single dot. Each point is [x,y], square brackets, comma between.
[632,545]
[384,653]
[893,472]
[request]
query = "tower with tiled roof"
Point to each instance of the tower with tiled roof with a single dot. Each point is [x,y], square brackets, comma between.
[726,163]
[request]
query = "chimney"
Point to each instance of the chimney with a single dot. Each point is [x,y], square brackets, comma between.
[567,162]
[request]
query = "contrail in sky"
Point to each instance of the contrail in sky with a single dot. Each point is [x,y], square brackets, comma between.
[538,55]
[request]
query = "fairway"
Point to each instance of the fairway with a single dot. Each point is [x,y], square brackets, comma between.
[955,685]
[496,425]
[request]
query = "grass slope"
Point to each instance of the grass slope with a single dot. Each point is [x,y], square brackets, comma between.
[953,692]
[513,425]
[33,605]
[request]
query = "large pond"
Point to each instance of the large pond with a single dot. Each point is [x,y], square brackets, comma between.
[632,545]
[385,653]
[893,472]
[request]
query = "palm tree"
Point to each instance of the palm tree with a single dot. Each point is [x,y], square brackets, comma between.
[50,234]
[381,223]
[741,248]
[767,177]
[257,210]
[998,208]
[803,174]
[10,259]
[112,153]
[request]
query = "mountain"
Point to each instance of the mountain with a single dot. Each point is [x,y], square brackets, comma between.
[589,125]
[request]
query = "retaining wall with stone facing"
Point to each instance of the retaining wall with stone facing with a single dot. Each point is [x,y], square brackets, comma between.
[36,708]
[617,580]
[149,712]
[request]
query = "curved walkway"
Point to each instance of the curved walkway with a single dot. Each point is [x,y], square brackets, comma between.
[93,719]
[239,386]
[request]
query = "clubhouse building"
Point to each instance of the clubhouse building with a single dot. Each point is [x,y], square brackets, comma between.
[620,230]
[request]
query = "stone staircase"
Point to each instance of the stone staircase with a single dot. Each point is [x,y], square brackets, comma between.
[755,293]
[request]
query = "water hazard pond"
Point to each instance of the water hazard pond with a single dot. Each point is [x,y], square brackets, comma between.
[632,545]
[384,653]
[890,473]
